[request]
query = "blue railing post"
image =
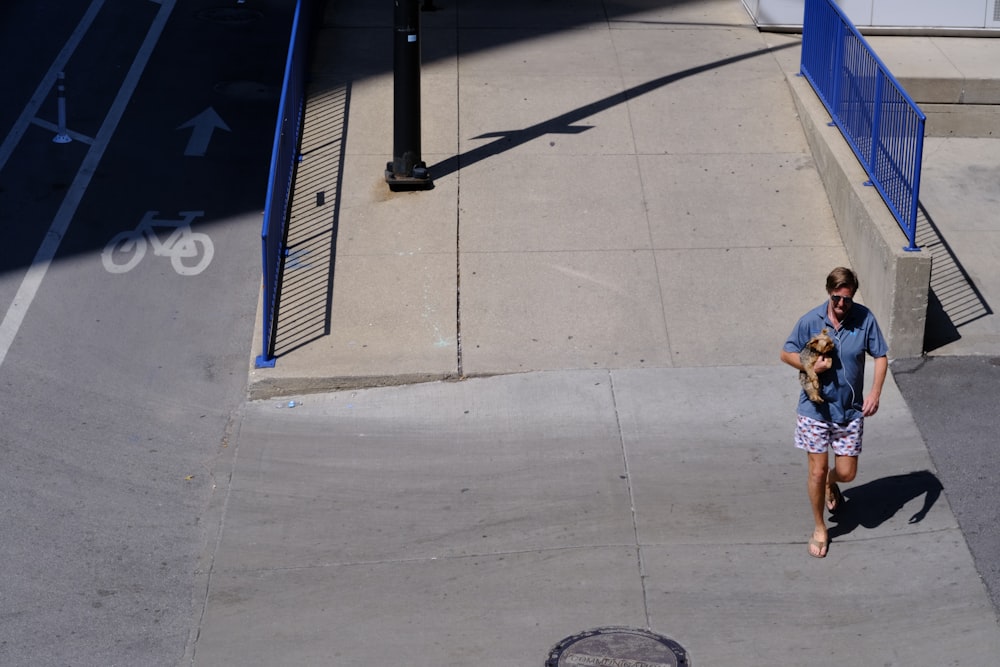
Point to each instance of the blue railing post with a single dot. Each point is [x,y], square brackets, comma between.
[876,125]
[839,38]
[914,202]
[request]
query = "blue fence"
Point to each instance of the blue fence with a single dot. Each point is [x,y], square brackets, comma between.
[883,126]
[284,156]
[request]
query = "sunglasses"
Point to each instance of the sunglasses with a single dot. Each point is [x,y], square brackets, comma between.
[836,298]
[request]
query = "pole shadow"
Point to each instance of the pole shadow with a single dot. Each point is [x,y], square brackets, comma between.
[872,504]
[567,123]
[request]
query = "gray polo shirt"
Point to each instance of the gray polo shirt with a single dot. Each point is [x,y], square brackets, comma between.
[842,387]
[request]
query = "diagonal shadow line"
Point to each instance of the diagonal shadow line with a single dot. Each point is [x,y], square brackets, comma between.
[563,123]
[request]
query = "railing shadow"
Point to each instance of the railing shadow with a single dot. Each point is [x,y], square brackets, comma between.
[872,504]
[953,300]
[305,288]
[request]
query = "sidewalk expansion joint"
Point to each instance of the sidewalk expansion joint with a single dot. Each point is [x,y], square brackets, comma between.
[431,559]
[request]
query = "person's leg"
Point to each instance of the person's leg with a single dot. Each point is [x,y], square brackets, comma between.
[814,437]
[845,469]
[846,445]
[818,473]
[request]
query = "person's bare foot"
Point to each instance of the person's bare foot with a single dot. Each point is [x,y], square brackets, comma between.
[834,499]
[818,545]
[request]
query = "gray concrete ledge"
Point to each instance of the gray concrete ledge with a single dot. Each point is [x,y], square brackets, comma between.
[961,120]
[261,388]
[956,106]
[952,90]
[953,79]
[894,282]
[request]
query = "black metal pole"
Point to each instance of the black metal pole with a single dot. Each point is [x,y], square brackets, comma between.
[406,171]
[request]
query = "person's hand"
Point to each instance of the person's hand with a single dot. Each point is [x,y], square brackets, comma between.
[870,406]
[823,364]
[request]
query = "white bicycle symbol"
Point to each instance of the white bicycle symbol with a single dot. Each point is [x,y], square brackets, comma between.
[125,250]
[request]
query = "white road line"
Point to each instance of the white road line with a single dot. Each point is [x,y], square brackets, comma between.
[49,80]
[53,128]
[43,258]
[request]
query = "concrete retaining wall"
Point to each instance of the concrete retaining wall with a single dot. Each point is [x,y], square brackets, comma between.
[894,282]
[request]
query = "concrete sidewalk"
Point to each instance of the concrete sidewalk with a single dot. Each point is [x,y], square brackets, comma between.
[606,193]
[650,191]
[481,522]
[626,222]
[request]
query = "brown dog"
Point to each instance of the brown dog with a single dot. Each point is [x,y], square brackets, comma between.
[818,346]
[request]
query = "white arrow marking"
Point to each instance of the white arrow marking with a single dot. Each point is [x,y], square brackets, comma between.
[204,125]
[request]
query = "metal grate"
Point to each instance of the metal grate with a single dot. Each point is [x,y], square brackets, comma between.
[996,10]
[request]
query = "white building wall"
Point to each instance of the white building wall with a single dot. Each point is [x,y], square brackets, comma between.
[887,14]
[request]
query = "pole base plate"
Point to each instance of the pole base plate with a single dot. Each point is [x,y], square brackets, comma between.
[418,179]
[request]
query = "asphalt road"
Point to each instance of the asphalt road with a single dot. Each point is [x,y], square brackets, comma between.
[954,403]
[122,372]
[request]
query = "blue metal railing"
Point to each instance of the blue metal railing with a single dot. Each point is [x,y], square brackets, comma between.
[284,156]
[882,124]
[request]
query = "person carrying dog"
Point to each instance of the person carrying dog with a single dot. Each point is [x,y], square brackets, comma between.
[837,423]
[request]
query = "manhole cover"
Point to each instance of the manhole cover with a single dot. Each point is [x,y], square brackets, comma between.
[617,647]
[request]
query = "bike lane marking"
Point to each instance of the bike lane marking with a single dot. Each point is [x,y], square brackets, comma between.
[33,277]
[181,244]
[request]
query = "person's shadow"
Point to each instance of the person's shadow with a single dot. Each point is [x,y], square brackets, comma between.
[872,504]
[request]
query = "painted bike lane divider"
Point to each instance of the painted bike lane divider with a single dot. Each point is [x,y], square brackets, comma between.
[29,114]
[30,284]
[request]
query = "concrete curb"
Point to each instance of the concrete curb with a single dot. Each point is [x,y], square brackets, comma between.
[266,388]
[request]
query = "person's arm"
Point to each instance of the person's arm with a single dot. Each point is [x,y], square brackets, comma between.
[792,359]
[870,406]
[824,363]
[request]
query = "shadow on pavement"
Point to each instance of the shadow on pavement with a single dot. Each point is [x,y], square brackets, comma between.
[953,300]
[872,504]
[565,123]
[305,287]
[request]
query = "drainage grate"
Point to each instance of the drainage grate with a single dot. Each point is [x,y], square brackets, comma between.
[617,647]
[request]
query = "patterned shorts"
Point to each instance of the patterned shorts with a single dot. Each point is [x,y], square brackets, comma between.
[816,436]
